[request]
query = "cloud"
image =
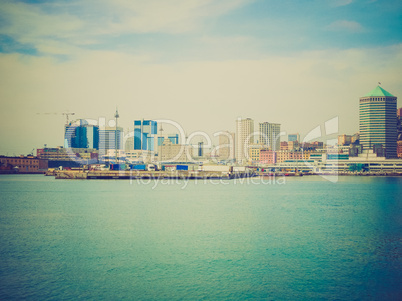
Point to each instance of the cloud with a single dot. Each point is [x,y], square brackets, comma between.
[77,23]
[345,25]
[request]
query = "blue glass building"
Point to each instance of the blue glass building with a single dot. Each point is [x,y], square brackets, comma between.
[173,138]
[80,134]
[144,131]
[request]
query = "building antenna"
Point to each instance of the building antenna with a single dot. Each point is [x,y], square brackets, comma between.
[116,116]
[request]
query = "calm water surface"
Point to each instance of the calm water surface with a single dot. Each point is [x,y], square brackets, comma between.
[307,239]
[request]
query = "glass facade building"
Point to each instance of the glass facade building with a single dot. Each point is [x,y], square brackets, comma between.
[378,121]
[173,138]
[110,138]
[144,134]
[80,134]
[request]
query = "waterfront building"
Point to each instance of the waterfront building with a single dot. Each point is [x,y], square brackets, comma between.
[69,157]
[399,149]
[244,137]
[226,148]
[81,134]
[113,156]
[293,145]
[294,137]
[269,135]
[355,138]
[140,156]
[284,145]
[344,139]
[377,121]
[267,156]
[282,156]
[22,164]
[110,138]
[144,134]
[254,153]
[169,152]
[308,146]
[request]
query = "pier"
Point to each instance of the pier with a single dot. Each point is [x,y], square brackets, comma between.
[136,174]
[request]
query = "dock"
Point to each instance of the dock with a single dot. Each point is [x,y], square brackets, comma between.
[136,174]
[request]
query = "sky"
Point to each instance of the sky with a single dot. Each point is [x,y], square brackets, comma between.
[200,63]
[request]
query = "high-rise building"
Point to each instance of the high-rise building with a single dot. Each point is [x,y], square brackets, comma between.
[244,137]
[399,124]
[144,134]
[80,134]
[270,135]
[226,148]
[110,138]
[377,121]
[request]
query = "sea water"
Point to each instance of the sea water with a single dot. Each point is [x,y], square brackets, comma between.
[295,238]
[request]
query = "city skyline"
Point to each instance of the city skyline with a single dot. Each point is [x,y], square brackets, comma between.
[202,64]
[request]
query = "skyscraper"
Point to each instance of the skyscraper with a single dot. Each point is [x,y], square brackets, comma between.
[269,135]
[109,137]
[244,137]
[81,134]
[399,124]
[144,131]
[377,121]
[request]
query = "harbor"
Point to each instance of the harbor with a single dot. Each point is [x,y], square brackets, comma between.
[82,174]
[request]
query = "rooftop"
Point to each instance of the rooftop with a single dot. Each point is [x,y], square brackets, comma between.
[378,91]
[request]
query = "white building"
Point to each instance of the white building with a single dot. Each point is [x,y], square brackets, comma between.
[270,135]
[244,137]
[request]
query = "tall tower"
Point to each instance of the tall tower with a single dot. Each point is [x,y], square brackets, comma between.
[377,121]
[244,137]
[270,135]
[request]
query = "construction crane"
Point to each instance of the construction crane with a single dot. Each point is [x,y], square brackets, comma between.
[67,114]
